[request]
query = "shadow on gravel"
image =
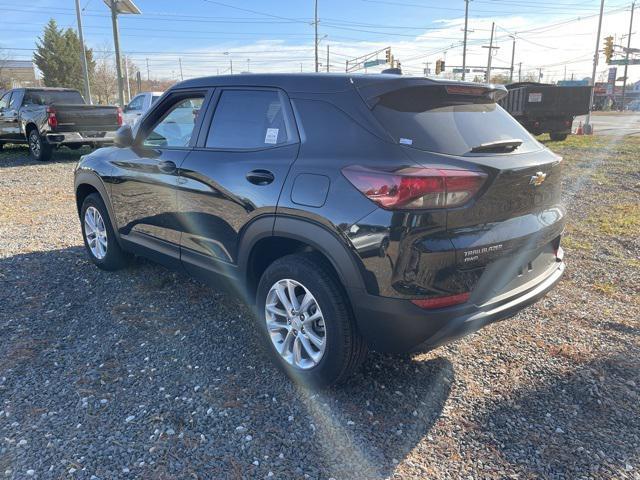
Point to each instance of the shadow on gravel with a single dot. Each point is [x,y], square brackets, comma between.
[582,424]
[148,372]
[18,156]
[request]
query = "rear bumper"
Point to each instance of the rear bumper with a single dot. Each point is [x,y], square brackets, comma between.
[397,325]
[81,137]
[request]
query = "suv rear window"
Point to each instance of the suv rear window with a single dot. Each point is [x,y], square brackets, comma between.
[52,97]
[429,118]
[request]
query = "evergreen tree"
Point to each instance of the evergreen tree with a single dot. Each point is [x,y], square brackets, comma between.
[59,57]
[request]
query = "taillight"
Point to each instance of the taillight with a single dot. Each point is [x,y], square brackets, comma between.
[52,120]
[441,302]
[413,188]
[119,117]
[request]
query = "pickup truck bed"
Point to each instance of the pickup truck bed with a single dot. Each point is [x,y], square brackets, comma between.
[46,118]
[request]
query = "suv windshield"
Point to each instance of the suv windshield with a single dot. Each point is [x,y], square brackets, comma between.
[51,97]
[429,118]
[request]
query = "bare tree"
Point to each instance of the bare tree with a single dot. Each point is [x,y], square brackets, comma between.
[5,83]
[104,77]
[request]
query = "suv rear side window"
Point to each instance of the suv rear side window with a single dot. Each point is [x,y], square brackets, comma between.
[4,100]
[248,119]
[428,118]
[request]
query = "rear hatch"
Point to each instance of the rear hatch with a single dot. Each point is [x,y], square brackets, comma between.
[516,214]
[86,118]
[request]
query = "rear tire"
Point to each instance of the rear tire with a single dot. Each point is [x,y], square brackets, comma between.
[39,149]
[98,235]
[558,137]
[343,348]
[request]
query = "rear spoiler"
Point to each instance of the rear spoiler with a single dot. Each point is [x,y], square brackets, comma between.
[370,91]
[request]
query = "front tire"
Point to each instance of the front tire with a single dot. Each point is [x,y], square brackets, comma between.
[38,148]
[98,235]
[306,322]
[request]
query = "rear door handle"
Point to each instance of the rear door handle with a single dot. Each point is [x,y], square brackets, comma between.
[260,177]
[167,166]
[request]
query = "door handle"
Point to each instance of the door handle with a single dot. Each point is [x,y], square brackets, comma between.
[260,177]
[167,166]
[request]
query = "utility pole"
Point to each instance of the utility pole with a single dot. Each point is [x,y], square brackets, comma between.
[587,124]
[626,62]
[116,43]
[87,88]
[490,47]
[231,65]
[520,72]
[315,25]
[327,58]
[539,75]
[513,56]
[248,64]
[148,70]
[180,63]
[464,42]
[126,75]
[565,72]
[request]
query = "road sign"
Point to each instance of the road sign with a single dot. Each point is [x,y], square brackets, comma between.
[373,63]
[459,70]
[623,61]
[613,71]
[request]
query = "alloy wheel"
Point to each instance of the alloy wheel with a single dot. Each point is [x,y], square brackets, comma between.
[34,144]
[295,324]
[95,232]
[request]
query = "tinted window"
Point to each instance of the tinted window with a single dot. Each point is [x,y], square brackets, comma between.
[176,127]
[135,104]
[428,118]
[248,119]
[16,99]
[154,99]
[52,97]
[4,101]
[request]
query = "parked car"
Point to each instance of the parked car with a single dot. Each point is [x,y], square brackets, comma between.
[46,118]
[139,105]
[545,108]
[271,189]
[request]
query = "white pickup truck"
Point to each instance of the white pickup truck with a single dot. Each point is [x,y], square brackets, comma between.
[139,105]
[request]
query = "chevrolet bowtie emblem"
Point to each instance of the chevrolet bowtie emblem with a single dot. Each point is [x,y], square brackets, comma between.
[538,179]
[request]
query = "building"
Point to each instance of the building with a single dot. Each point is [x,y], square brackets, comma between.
[17,73]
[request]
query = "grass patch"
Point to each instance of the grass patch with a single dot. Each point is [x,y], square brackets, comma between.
[573,243]
[605,287]
[621,220]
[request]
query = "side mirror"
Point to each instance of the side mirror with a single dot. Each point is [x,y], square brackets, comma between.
[126,107]
[123,137]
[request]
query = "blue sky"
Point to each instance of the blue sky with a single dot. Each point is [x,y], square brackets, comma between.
[278,36]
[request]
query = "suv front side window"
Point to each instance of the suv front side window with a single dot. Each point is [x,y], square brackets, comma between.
[248,119]
[4,101]
[177,124]
[135,104]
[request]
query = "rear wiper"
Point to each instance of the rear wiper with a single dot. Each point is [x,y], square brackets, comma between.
[498,146]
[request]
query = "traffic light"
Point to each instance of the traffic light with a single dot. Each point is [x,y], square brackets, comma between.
[388,56]
[439,66]
[608,48]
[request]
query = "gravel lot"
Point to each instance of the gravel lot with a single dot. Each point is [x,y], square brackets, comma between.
[146,374]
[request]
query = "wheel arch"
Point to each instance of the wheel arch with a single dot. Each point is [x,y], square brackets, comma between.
[86,183]
[270,238]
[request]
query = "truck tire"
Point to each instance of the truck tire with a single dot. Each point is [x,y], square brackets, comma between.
[316,342]
[38,148]
[558,137]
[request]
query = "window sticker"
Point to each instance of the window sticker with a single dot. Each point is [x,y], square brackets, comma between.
[406,141]
[271,136]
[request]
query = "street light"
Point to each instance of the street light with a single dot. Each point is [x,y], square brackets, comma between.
[126,7]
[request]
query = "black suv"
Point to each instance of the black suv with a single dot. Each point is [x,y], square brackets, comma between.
[352,212]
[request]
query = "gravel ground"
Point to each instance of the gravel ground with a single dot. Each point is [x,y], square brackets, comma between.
[144,373]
